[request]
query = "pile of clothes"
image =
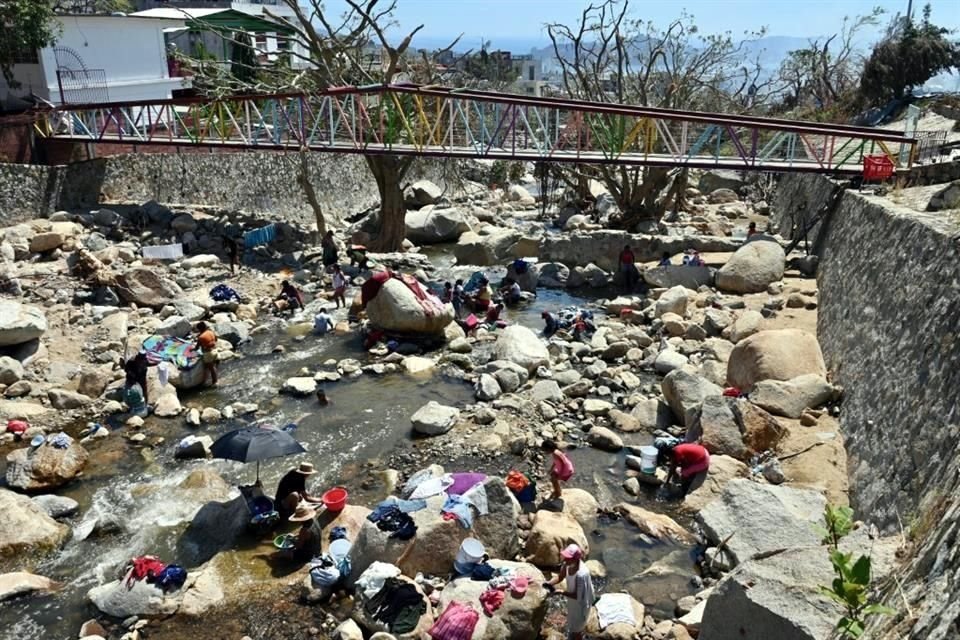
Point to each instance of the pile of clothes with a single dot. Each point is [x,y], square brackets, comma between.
[389,599]
[150,568]
[223,293]
[394,516]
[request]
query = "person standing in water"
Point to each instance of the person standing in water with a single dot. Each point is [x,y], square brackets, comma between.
[578,590]
[207,343]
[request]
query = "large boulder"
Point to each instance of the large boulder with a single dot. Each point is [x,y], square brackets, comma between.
[521,346]
[752,267]
[764,518]
[652,414]
[202,591]
[20,323]
[216,526]
[517,618]
[66,400]
[678,275]
[485,250]
[656,525]
[715,179]
[47,241]
[552,532]
[673,300]
[723,469]
[582,506]
[685,391]
[20,583]
[780,354]
[734,427]
[25,526]
[397,308]
[438,540]
[433,418]
[789,398]
[431,225]
[11,370]
[422,193]
[45,467]
[146,288]
[663,583]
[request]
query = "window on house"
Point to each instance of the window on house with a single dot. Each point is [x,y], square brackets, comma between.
[531,72]
[260,42]
[25,56]
[283,44]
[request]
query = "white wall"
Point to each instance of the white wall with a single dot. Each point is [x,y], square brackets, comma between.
[130,51]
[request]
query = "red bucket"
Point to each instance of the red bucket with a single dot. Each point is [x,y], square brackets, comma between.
[335,499]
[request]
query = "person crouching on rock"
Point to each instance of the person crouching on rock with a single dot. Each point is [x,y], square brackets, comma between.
[307,543]
[290,297]
[688,460]
[292,490]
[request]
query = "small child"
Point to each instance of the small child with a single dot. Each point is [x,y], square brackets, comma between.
[561,467]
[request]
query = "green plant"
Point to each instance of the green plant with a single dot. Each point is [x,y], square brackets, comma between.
[851,586]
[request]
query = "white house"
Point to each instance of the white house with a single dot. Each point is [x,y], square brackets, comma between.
[300,55]
[97,59]
[530,79]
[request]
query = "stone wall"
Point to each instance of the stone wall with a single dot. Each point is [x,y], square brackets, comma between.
[889,326]
[602,248]
[265,183]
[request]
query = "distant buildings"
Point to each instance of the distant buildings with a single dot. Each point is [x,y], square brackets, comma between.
[96,59]
[530,79]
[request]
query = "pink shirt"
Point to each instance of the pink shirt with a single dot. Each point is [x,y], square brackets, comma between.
[562,466]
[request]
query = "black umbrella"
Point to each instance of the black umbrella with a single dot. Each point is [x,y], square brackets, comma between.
[254,444]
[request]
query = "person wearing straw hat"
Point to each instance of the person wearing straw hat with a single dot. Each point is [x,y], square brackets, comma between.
[578,591]
[292,490]
[307,545]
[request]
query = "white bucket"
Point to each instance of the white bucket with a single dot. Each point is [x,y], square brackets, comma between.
[648,459]
[471,551]
[340,549]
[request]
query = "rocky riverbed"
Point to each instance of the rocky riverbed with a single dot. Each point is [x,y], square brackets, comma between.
[79,295]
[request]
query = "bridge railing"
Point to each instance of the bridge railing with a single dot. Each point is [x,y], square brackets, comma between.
[433,121]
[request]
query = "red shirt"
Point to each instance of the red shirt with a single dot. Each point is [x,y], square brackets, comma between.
[493,314]
[627,257]
[688,455]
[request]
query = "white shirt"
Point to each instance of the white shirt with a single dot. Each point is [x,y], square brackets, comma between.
[339,281]
[515,290]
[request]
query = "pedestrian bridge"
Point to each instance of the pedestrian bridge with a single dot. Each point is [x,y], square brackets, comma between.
[413,120]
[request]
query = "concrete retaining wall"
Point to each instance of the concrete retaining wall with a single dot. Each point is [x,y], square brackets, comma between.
[263,183]
[889,326]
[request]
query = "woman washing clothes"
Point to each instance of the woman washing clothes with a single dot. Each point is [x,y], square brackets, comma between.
[578,592]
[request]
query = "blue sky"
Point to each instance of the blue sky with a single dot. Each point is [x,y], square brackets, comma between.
[518,24]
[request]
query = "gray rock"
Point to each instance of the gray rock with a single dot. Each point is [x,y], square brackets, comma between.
[45,467]
[753,267]
[508,379]
[764,518]
[21,583]
[521,346]
[487,388]
[432,225]
[299,386]
[669,360]
[184,223]
[715,426]
[57,506]
[434,418]
[93,382]
[685,392]
[715,179]
[546,390]
[236,333]
[596,407]
[554,275]
[144,287]
[63,399]
[20,323]
[11,370]
[790,398]
[197,448]
[605,439]
[47,241]
[25,526]
[422,193]
[673,300]
[175,326]
[106,218]
[669,276]
[652,414]
[722,196]
[946,198]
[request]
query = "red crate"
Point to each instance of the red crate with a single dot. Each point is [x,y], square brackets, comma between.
[877,167]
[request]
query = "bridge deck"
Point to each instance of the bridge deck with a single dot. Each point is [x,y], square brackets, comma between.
[441,122]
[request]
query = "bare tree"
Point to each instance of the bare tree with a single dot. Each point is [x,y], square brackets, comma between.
[610,56]
[829,68]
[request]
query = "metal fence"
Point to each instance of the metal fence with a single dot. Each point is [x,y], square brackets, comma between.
[929,145]
[82,86]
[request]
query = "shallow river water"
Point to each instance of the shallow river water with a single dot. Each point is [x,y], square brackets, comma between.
[131,494]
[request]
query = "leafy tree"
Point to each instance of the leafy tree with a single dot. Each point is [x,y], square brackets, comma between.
[25,26]
[243,60]
[907,57]
[92,6]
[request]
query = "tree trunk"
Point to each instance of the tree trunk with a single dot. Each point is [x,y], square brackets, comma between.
[389,172]
[643,201]
[304,179]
